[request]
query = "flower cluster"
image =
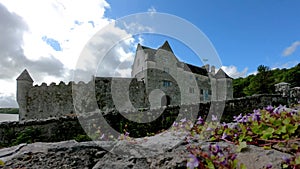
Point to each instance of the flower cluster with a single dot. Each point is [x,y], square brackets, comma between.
[216,157]
[291,163]
[264,127]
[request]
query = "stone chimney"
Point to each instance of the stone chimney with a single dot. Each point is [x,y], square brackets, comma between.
[213,70]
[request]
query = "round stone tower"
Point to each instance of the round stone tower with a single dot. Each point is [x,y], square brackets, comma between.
[24,83]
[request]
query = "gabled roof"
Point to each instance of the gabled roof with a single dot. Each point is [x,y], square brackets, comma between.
[195,69]
[166,46]
[221,74]
[25,76]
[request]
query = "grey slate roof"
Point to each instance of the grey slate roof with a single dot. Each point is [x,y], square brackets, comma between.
[221,74]
[25,76]
[195,69]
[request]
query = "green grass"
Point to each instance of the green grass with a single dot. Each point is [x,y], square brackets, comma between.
[9,111]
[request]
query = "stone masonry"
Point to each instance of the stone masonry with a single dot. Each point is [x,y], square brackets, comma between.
[158,79]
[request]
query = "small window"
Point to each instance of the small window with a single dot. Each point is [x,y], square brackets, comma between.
[209,92]
[201,91]
[167,83]
[192,90]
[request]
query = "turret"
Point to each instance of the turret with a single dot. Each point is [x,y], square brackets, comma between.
[223,86]
[24,83]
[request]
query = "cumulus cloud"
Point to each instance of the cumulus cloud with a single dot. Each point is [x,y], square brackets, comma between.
[48,38]
[233,72]
[291,49]
[152,9]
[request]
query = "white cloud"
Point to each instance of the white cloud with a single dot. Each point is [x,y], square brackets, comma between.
[152,10]
[67,22]
[233,72]
[291,49]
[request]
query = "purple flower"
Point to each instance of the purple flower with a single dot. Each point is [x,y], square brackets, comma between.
[183,120]
[102,136]
[269,166]
[214,118]
[269,108]
[224,136]
[209,129]
[192,162]
[287,160]
[238,118]
[224,124]
[256,115]
[215,149]
[126,134]
[200,120]
[175,124]
[279,109]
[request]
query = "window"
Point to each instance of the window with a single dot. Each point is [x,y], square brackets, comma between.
[201,91]
[192,90]
[167,83]
[209,92]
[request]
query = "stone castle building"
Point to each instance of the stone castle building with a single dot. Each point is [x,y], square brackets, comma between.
[158,78]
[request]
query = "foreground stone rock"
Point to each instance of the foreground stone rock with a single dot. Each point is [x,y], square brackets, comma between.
[124,154]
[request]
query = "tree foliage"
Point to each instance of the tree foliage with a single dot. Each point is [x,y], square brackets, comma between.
[265,79]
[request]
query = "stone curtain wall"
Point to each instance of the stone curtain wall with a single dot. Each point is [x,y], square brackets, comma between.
[57,100]
[49,101]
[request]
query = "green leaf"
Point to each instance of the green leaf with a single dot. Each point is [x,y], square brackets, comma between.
[281,129]
[297,160]
[277,122]
[242,145]
[268,133]
[286,121]
[291,128]
[266,136]
[285,166]
[243,166]
[256,130]
[267,147]
[210,164]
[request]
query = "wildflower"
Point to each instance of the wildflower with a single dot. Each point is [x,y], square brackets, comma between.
[175,124]
[287,160]
[183,120]
[269,108]
[102,136]
[215,149]
[192,162]
[224,136]
[279,109]
[256,115]
[238,118]
[126,134]
[214,118]
[269,166]
[224,124]
[200,121]
[209,129]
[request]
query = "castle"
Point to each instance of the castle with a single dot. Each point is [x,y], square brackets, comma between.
[158,79]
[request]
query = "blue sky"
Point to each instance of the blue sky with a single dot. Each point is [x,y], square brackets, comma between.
[244,33]
[52,38]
